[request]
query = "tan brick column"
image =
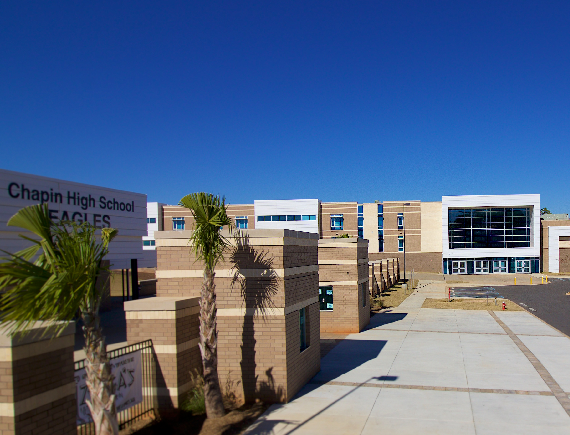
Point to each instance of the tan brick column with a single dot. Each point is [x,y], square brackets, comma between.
[262,284]
[172,325]
[343,264]
[37,388]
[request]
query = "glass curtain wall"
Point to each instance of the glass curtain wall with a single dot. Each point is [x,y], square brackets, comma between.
[489,227]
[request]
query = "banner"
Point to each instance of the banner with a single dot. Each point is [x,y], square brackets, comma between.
[127,370]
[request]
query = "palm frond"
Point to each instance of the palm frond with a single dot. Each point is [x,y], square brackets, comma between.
[210,215]
[60,281]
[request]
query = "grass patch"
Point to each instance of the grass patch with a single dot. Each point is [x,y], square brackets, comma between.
[471,304]
[393,296]
[195,401]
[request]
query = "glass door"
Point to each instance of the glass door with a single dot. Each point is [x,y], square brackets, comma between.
[523,266]
[459,267]
[500,266]
[482,266]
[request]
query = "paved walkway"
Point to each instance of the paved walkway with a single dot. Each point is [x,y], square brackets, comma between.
[428,371]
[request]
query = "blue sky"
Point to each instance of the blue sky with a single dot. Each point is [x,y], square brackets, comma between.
[341,101]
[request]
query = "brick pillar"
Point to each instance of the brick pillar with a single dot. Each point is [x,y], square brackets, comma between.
[382,281]
[388,278]
[398,269]
[262,284]
[172,325]
[37,383]
[343,264]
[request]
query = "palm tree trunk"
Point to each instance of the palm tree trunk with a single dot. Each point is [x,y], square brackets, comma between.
[209,347]
[99,377]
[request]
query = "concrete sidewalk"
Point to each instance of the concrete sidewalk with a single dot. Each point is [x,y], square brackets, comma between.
[427,371]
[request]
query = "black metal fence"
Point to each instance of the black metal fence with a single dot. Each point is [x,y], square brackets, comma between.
[149,405]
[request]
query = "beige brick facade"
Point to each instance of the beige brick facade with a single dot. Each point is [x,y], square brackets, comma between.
[349,211]
[37,387]
[416,261]
[343,264]
[564,254]
[233,210]
[423,222]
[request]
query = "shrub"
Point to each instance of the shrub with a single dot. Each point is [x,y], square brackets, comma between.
[195,402]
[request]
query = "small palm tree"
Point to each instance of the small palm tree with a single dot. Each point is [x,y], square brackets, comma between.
[208,244]
[53,287]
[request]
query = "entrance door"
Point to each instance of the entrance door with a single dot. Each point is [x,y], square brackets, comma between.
[482,266]
[459,267]
[500,266]
[523,266]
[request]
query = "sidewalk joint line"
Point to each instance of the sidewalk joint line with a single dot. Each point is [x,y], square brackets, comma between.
[557,391]
[431,388]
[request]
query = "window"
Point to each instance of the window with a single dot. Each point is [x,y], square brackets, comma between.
[304,330]
[326,298]
[499,266]
[400,243]
[400,221]
[177,223]
[481,266]
[523,266]
[485,228]
[290,217]
[241,222]
[361,221]
[149,242]
[150,220]
[336,222]
[459,267]
[380,228]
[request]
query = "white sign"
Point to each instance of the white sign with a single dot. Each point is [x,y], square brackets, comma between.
[99,206]
[127,370]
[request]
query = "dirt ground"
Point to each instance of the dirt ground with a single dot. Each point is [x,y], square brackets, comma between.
[235,422]
[392,297]
[471,304]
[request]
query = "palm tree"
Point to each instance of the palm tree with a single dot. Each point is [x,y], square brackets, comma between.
[208,244]
[52,288]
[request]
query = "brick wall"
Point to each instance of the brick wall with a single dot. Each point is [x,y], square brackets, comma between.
[173,326]
[564,259]
[233,210]
[419,262]
[37,388]
[262,281]
[544,249]
[349,211]
[343,264]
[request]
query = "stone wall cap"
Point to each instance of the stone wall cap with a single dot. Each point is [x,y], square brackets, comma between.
[161,304]
[183,234]
[260,233]
[39,332]
[343,241]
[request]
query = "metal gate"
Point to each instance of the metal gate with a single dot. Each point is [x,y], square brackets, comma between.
[149,405]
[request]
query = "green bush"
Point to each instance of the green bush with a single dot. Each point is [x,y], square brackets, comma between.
[195,402]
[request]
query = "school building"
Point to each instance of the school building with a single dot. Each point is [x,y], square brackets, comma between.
[464,234]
